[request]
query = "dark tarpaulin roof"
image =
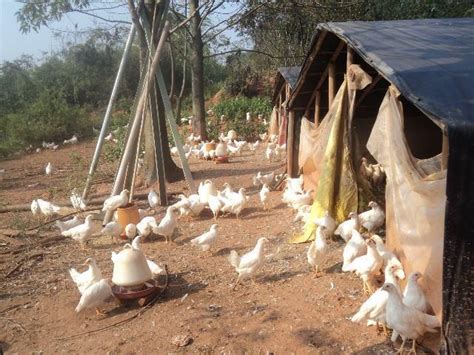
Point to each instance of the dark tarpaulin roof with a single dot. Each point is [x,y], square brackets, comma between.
[290,74]
[431,62]
[285,74]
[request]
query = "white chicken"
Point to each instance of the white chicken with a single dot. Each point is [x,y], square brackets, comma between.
[72,140]
[303,214]
[372,219]
[168,224]
[327,221]
[48,169]
[270,151]
[235,204]
[81,233]
[153,198]
[95,295]
[373,309]
[114,202]
[112,230]
[215,204]
[264,195]
[130,230]
[35,209]
[146,225]
[367,266]
[205,240]
[206,189]
[248,264]
[260,179]
[86,278]
[388,256]
[407,321]
[344,230]
[228,191]
[295,184]
[195,205]
[317,251]
[64,226]
[355,247]
[413,295]
[234,151]
[298,200]
[47,208]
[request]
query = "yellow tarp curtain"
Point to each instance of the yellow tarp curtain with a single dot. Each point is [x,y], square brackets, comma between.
[336,191]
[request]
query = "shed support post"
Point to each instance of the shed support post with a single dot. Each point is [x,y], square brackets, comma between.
[445,152]
[331,83]
[349,62]
[290,143]
[317,107]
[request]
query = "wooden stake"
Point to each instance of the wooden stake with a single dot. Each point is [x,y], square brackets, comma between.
[331,83]
[317,107]
[349,62]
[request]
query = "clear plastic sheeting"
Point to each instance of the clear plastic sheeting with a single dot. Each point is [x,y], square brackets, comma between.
[326,155]
[415,199]
[273,127]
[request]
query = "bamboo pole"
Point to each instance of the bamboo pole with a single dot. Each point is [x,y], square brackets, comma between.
[331,83]
[134,131]
[108,113]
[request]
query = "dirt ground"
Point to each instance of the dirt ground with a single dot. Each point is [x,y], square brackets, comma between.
[288,310]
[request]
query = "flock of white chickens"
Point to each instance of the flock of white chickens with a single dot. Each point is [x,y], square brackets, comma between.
[403,312]
[365,254]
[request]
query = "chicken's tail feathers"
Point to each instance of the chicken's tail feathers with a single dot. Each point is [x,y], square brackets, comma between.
[74,274]
[346,267]
[195,241]
[358,317]
[431,322]
[234,258]
[65,234]
[60,225]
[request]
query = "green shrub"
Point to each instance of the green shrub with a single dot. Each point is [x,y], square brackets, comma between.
[235,111]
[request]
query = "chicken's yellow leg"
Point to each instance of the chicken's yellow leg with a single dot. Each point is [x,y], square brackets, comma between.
[413,348]
[402,348]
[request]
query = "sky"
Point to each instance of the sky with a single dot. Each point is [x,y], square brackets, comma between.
[13,43]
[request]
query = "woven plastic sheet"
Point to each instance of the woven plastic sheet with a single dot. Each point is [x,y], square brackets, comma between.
[415,199]
[331,171]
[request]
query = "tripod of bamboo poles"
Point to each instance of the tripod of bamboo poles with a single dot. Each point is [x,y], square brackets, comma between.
[147,94]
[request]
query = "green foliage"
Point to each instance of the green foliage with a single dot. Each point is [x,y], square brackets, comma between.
[113,151]
[235,111]
[284,29]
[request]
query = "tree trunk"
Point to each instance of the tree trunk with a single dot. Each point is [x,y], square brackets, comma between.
[172,171]
[197,73]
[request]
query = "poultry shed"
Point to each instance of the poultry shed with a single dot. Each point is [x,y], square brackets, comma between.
[398,95]
[285,81]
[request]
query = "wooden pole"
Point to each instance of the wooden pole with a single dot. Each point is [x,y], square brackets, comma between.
[290,143]
[349,62]
[323,77]
[445,152]
[317,107]
[331,83]
[134,131]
